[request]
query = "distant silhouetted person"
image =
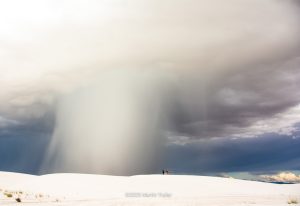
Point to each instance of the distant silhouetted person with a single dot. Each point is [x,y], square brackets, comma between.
[163,172]
[167,172]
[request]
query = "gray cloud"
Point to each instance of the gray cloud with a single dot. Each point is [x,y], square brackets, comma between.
[242,103]
[226,70]
[202,41]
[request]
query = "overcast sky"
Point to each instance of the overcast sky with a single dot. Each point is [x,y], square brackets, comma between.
[130,87]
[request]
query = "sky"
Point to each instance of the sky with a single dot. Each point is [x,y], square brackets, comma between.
[133,86]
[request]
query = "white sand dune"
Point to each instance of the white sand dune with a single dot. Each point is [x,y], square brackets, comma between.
[85,189]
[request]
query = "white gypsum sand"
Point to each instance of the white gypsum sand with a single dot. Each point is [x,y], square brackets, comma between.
[87,189]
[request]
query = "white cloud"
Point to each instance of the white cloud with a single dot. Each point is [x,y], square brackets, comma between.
[288,177]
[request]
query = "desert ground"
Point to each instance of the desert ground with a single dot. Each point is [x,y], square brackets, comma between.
[87,189]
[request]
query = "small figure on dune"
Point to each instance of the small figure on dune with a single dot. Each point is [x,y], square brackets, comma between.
[165,172]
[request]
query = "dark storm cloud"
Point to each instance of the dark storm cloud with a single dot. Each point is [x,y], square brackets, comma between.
[230,70]
[23,154]
[33,127]
[231,104]
[23,145]
[233,64]
[264,155]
